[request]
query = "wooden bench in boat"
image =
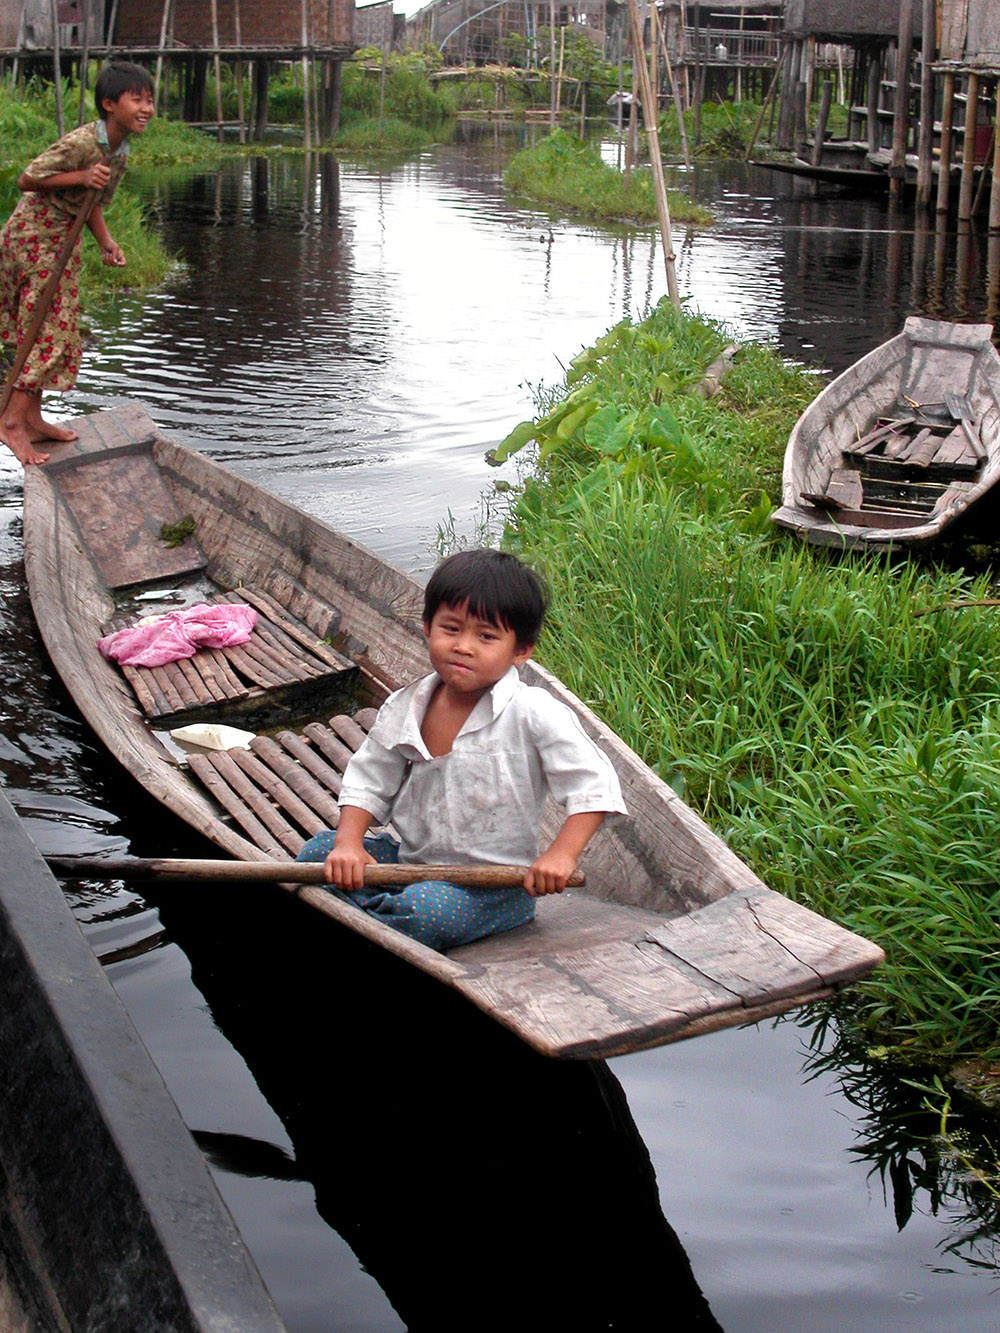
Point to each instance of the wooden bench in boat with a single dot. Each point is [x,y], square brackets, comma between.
[282,656]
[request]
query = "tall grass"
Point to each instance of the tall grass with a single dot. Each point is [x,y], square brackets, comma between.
[563,171]
[842,739]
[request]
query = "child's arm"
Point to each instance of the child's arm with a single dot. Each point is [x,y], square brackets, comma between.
[94,177]
[550,870]
[111,251]
[345,865]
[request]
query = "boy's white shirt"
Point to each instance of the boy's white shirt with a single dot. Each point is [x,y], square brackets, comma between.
[481,802]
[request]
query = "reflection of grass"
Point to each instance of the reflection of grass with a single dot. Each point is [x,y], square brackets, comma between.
[846,745]
[563,171]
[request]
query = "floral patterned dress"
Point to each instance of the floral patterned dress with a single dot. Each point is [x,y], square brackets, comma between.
[30,244]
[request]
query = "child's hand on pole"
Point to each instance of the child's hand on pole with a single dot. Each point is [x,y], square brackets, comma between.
[96,176]
[549,873]
[344,867]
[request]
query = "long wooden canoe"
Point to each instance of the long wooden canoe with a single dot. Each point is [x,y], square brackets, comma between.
[901,446]
[671,937]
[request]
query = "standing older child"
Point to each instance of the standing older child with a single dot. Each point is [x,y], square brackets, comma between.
[461,763]
[54,186]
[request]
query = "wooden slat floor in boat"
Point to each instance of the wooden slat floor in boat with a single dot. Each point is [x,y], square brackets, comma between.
[284,788]
[280,652]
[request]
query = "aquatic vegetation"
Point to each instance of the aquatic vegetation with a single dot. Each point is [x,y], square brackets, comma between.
[837,721]
[563,171]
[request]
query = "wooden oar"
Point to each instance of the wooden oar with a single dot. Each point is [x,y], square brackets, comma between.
[180,871]
[48,291]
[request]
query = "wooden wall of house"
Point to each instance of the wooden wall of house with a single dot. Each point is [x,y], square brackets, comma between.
[846,19]
[262,23]
[983,41]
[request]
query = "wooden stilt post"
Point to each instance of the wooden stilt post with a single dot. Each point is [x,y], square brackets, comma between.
[944,151]
[995,186]
[261,79]
[649,117]
[633,119]
[306,117]
[826,97]
[872,100]
[925,134]
[57,69]
[217,70]
[901,106]
[969,148]
[240,107]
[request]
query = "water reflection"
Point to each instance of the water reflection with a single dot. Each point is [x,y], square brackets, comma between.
[482,1185]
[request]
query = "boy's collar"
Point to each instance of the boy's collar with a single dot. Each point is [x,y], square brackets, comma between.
[102,139]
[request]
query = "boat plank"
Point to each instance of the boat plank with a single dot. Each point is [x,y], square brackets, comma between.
[253,800]
[330,744]
[282,622]
[298,779]
[231,802]
[306,755]
[348,730]
[279,792]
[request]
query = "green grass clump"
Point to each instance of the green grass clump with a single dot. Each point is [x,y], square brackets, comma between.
[563,171]
[368,139]
[837,721]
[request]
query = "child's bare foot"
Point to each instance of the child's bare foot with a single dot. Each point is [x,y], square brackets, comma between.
[19,442]
[40,429]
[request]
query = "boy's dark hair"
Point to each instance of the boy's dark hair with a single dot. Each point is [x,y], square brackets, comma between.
[121,76]
[497,587]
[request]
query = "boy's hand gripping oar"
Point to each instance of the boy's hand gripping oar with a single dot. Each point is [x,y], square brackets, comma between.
[180,871]
[48,291]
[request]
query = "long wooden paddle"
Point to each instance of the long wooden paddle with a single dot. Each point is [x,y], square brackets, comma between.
[48,291]
[181,871]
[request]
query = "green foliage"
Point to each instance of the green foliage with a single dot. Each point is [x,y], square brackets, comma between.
[845,744]
[409,94]
[565,172]
[726,128]
[366,139]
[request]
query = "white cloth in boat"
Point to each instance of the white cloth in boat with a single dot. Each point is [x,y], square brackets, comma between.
[482,802]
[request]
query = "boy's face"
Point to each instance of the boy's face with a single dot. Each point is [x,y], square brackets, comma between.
[471,654]
[132,112]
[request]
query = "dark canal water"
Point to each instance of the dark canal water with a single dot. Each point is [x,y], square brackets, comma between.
[355,342]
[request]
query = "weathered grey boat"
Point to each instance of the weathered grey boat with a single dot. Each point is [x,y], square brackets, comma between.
[673,935]
[109,1218]
[901,446]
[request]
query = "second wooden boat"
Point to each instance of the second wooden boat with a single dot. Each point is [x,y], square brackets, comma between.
[900,447]
[672,936]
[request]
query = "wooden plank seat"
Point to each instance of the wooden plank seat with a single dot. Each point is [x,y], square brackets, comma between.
[895,448]
[281,655]
[284,788]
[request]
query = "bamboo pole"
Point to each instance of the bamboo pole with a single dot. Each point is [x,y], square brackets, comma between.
[826,97]
[552,64]
[159,55]
[57,69]
[995,185]
[969,148]
[15,68]
[872,100]
[649,117]
[217,70]
[944,151]
[673,84]
[84,59]
[925,133]
[763,109]
[182,871]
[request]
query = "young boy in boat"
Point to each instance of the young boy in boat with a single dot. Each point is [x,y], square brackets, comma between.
[54,186]
[461,762]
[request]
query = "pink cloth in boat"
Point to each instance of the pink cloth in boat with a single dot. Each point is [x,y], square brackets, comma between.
[180,634]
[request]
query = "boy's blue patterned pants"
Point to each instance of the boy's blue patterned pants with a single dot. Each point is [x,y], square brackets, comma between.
[438,914]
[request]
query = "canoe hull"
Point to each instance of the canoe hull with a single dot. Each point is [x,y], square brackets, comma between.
[673,935]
